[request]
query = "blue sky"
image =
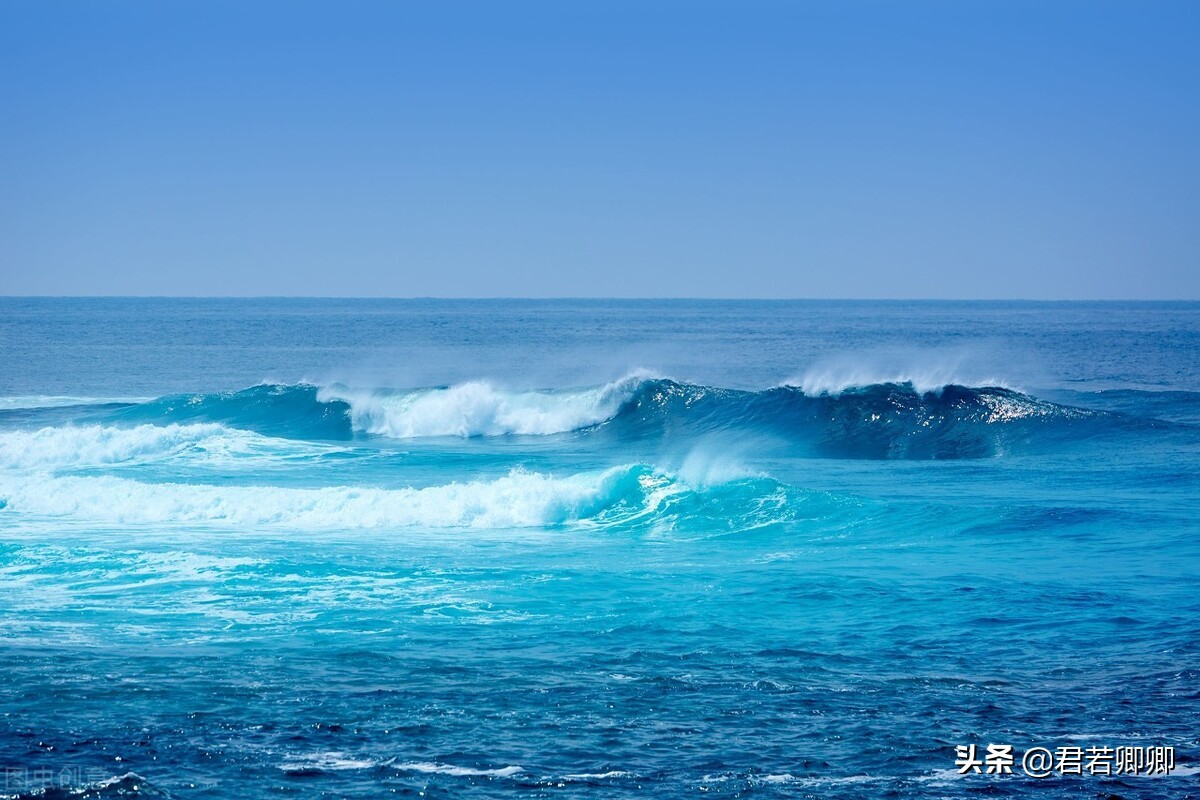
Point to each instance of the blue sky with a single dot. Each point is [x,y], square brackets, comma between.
[958,149]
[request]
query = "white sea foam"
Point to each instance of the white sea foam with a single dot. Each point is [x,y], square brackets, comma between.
[704,466]
[940,776]
[926,372]
[479,408]
[326,762]
[518,499]
[450,769]
[96,445]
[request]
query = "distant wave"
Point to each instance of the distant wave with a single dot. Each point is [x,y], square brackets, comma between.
[23,402]
[520,499]
[72,446]
[880,420]
[450,769]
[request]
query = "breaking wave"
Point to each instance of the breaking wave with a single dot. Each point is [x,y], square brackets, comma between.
[881,420]
[480,409]
[890,420]
[72,446]
[837,376]
[519,499]
[477,408]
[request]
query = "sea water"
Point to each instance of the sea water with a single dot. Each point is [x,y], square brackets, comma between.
[362,548]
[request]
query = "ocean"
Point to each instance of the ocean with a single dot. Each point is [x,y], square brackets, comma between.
[576,549]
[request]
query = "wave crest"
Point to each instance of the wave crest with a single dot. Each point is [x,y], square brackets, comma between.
[881,420]
[894,421]
[480,409]
[520,499]
[72,446]
[95,445]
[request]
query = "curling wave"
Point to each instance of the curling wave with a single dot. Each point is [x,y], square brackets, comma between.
[477,408]
[877,421]
[480,409]
[887,420]
[621,495]
[288,410]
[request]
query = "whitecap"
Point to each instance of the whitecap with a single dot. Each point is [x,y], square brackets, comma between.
[450,769]
[516,500]
[73,446]
[479,408]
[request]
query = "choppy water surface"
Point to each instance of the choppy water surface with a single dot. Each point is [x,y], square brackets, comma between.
[256,548]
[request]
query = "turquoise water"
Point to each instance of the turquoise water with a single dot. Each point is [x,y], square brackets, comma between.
[254,548]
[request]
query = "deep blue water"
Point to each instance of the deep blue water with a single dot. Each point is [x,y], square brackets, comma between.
[352,548]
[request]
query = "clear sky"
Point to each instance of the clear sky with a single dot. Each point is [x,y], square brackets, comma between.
[957,149]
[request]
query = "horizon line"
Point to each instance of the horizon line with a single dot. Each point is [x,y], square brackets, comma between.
[597,298]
